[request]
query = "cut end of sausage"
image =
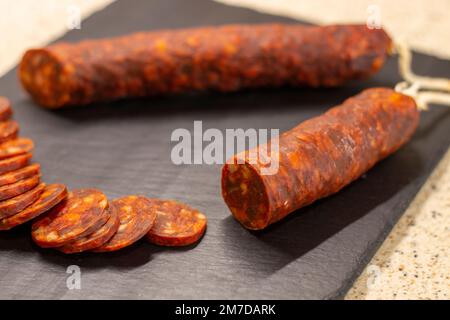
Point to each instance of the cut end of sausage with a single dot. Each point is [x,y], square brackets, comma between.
[246,196]
[41,75]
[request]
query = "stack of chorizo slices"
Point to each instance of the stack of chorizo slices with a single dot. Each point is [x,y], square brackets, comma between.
[83,219]
[87,221]
[22,194]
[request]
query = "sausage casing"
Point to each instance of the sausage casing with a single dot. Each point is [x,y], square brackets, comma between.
[320,156]
[224,58]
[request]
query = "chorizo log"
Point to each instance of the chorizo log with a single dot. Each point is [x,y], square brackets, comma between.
[319,157]
[224,58]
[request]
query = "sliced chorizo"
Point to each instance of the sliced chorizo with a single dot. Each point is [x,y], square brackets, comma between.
[14,163]
[15,147]
[8,130]
[99,237]
[223,58]
[5,109]
[49,198]
[22,186]
[20,174]
[14,205]
[137,215]
[319,157]
[177,224]
[79,214]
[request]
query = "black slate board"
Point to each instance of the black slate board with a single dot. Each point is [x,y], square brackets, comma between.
[124,148]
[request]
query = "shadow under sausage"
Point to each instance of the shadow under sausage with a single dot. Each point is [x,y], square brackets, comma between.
[127,258]
[138,254]
[303,231]
[213,103]
[205,104]
[431,120]
[17,238]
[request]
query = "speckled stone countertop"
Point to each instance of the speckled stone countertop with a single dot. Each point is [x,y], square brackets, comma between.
[414,261]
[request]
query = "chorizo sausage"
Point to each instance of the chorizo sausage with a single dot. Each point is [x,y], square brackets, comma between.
[5,109]
[319,157]
[14,205]
[224,58]
[52,195]
[137,215]
[177,224]
[81,213]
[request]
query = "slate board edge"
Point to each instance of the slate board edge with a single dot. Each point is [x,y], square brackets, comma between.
[402,208]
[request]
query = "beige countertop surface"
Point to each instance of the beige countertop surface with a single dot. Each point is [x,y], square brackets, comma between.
[414,261]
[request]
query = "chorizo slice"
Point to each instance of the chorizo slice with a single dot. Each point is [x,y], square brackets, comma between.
[5,109]
[95,227]
[20,174]
[222,58]
[319,157]
[99,237]
[15,147]
[14,205]
[8,130]
[14,189]
[137,215]
[79,214]
[52,195]
[177,224]
[14,163]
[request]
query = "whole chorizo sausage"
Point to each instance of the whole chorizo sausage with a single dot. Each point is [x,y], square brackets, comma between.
[319,157]
[224,58]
